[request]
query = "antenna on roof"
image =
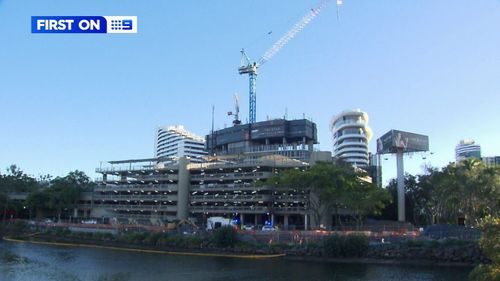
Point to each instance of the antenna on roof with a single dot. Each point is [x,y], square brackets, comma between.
[212,133]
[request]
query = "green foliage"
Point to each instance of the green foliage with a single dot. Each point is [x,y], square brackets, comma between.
[4,201]
[490,245]
[152,238]
[467,189]
[134,237]
[225,237]
[62,232]
[19,226]
[38,200]
[433,244]
[14,181]
[179,241]
[60,195]
[333,187]
[346,245]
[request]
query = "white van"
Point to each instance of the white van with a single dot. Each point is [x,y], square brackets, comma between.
[216,222]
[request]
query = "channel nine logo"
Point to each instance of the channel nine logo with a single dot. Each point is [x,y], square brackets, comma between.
[84,24]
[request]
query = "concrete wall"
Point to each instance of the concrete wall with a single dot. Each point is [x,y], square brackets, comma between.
[183,192]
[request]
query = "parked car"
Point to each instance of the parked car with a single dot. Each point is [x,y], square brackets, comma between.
[248,227]
[268,228]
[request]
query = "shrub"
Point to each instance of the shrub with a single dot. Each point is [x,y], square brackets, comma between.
[490,241]
[225,237]
[108,236]
[152,238]
[346,246]
[19,226]
[62,232]
[133,237]
[333,246]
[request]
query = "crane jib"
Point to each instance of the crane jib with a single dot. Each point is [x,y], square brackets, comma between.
[247,67]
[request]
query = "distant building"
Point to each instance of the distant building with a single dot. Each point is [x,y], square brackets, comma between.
[351,135]
[492,161]
[175,142]
[374,170]
[467,149]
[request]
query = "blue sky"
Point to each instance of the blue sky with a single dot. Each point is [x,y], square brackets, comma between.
[69,101]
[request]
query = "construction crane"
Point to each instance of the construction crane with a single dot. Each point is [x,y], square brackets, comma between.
[250,68]
[236,112]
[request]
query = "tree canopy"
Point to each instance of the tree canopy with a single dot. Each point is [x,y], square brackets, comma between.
[335,188]
[466,191]
[45,194]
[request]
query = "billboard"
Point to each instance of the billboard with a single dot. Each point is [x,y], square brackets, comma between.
[395,140]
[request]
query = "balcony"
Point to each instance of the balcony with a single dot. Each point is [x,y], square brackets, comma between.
[290,198]
[289,210]
[145,217]
[228,187]
[233,197]
[137,187]
[150,208]
[232,176]
[349,123]
[230,209]
[136,197]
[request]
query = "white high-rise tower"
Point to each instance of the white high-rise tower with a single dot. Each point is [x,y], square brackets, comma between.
[351,135]
[175,142]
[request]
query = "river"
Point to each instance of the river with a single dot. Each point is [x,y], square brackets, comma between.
[24,261]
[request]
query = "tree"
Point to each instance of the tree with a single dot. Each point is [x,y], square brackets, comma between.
[3,203]
[364,199]
[332,188]
[60,195]
[64,192]
[11,182]
[490,243]
[467,190]
[38,201]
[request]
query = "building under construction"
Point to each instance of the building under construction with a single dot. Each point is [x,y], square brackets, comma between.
[290,138]
[232,182]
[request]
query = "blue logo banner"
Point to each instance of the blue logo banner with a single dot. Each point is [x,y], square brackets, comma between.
[84,24]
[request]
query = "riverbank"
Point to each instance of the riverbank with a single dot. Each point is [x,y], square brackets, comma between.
[413,254]
[151,250]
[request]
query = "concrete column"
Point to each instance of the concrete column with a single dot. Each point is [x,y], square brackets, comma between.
[305,222]
[104,178]
[285,222]
[183,190]
[123,178]
[401,186]
[256,221]
[242,219]
[272,219]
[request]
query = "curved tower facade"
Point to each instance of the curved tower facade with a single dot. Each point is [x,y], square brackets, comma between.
[351,134]
[467,149]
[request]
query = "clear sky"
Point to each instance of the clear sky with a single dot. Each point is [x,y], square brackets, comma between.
[70,101]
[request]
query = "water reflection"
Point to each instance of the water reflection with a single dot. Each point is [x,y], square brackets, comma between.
[19,262]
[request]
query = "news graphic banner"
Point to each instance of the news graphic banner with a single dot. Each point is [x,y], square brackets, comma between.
[84,24]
